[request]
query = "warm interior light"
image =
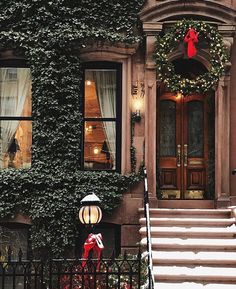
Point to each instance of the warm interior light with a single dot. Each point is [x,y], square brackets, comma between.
[178,95]
[89,128]
[95,150]
[88,82]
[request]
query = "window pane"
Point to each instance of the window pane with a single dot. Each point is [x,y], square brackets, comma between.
[195,129]
[167,128]
[15,92]
[100,93]
[100,145]
[15,143]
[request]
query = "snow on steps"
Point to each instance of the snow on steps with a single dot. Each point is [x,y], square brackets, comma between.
[190,222]
[210,232]
[197,213]
[199,273]
[193,258]
[193,285]
[192,249]
[191,243]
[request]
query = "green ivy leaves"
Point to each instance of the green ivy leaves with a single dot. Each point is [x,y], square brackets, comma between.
[50,34]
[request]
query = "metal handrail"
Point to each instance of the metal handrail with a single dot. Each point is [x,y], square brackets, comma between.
[148,233]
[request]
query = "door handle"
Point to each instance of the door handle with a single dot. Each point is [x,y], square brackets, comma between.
[185,155]
[178,155]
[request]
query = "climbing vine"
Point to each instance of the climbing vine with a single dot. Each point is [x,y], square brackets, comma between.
[50,35]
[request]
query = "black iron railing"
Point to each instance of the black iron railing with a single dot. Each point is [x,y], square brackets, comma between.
[148,233]
[120,273]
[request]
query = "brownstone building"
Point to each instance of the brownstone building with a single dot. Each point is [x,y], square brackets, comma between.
[186,142]
[188,146]
[182,185]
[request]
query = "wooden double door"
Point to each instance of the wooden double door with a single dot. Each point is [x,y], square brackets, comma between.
[183,146]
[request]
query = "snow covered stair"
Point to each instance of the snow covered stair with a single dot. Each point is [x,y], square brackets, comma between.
[192,248]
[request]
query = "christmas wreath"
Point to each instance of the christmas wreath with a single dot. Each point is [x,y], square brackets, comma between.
[190,33]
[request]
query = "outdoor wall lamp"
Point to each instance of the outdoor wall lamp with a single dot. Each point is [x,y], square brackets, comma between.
[179,95]
[137,92]
[90,213]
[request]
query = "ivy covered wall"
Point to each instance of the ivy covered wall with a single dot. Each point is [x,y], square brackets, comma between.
[49,33]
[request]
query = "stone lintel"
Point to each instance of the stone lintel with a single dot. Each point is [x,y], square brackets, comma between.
[151,28]
[227,30]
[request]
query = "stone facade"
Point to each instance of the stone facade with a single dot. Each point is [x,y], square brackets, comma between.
[139,66]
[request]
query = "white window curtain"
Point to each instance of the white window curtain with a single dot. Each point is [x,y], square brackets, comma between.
[15,85]
[105,81]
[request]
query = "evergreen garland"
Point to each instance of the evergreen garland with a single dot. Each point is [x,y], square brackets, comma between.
[50,34]
[172,40]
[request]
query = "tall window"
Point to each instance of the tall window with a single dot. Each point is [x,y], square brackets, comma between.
[102,100]
[15,116]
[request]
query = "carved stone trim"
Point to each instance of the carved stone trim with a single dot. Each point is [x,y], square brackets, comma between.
[108,51]
[222,142]
[164,10]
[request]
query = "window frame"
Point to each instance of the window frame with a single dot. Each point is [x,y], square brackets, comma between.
[19,226]
[104,65]
[16,63]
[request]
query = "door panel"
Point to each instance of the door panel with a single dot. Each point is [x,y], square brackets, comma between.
[169,146]
[183,146]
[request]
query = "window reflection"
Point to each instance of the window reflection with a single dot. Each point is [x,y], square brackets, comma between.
[100,119]
[195,129]
[15,92]
[100,93]
[15,113]
[100,145]
[16,148]
[167,128]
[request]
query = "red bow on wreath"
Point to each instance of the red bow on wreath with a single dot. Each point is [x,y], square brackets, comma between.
[94,243]
[191,38]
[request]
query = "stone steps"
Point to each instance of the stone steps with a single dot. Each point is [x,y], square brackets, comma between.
[192,249]
[194,213]
[192,244]
[209,232]
[193,285]
[194,258]
[198,273]
[189,222]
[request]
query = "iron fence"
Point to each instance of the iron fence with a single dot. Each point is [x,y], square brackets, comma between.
[113,273]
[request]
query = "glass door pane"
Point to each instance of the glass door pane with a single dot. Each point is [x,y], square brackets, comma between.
[167,128]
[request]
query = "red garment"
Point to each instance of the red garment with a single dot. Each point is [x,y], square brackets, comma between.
[191,38]
[93,242]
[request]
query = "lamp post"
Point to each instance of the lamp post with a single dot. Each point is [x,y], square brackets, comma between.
[90,213]
[137,92]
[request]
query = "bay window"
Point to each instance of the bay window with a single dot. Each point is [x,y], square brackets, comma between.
[101,115]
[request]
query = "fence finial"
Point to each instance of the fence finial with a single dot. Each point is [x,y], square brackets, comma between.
[20,254]
[9,252]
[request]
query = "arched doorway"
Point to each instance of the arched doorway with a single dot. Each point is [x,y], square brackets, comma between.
[185,140]
[155,17]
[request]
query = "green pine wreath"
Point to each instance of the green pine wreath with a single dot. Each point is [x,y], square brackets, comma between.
[170,41]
